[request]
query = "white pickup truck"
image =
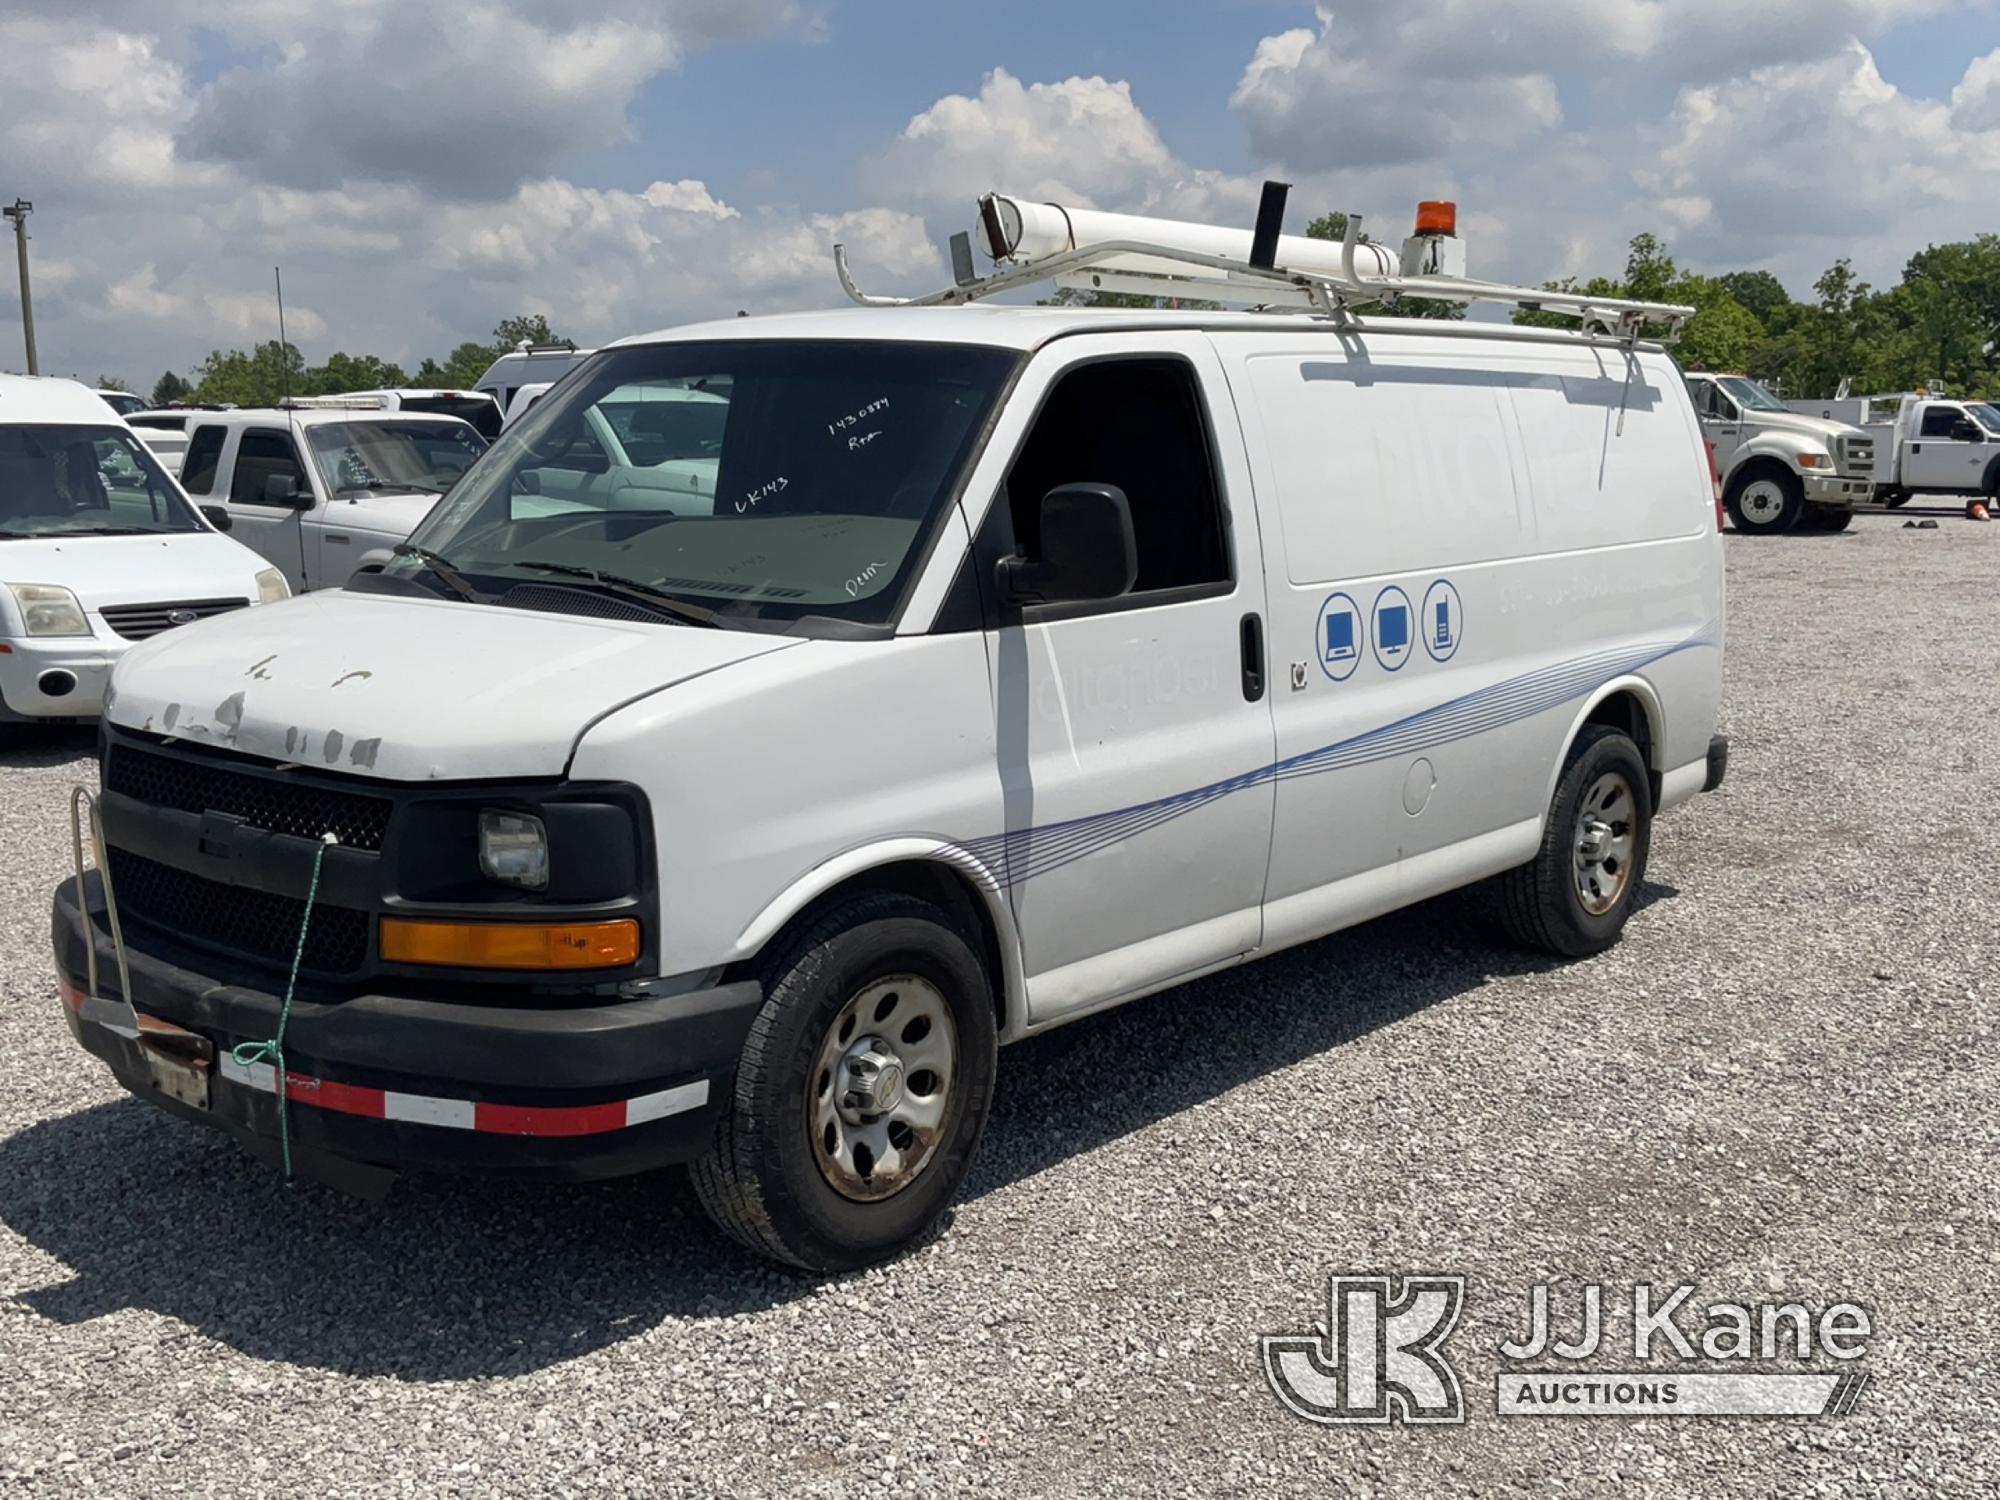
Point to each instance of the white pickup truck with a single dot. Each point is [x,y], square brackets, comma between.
[1931,445]
[323,492]
[1781,468]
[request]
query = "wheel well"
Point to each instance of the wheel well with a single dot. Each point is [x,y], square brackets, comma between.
[1624,712]
[1759,468]
[926,880]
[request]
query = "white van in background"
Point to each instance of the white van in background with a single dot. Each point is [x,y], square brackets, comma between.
[528,364]
[98,549]
[1010,663]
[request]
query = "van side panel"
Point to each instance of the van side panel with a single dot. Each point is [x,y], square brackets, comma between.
[1452,584]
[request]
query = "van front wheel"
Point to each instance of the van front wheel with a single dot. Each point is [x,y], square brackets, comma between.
[1574,898]
[862,1089]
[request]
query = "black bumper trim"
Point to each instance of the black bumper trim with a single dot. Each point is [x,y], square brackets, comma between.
[480,1052]
[1718,762]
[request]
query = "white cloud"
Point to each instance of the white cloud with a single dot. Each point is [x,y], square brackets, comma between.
[410,179]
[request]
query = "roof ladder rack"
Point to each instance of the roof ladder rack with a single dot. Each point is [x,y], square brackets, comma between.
[1033,243]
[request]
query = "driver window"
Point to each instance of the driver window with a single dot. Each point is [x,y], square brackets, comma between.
[1939,421]
[262,455]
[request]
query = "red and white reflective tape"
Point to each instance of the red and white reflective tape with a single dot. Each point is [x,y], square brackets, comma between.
[466,1114]
[454,1114]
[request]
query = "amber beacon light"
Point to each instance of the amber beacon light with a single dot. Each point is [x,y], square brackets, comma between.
[1435,216]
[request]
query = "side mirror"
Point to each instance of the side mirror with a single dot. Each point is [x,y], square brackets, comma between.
[283,489]
[1088,550]
[217,517]
[1965,432]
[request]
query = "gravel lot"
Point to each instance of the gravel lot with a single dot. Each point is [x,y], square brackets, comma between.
[1782,1082]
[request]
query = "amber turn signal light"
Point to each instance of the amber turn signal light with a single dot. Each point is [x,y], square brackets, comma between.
[511,945]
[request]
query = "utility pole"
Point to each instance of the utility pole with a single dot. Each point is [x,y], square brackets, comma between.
[18,211]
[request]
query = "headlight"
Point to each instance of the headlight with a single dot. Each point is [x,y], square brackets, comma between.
[514,849]
[271,587]
[1814,461]
[49,609]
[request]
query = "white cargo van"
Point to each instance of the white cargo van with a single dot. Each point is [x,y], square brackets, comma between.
[99,548]
[1016,662]
[528,364]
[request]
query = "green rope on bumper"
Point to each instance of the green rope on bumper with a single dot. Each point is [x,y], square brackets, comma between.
[250,1054]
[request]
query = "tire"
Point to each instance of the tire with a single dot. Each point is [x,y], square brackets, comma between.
[1828,518]
[1766,501]
[766,1180]
[1895,498]
[1542,905]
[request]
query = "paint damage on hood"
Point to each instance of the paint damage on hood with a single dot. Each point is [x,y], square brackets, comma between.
[407,689]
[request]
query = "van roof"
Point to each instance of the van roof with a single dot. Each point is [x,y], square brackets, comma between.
[49,398]
[1028,328]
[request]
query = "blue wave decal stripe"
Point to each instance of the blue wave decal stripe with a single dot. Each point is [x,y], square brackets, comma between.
[1026,853]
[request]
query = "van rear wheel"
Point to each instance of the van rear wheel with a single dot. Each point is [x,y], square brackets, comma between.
[862,1090]
[1575,896]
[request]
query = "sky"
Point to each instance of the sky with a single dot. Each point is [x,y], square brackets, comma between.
[422,171]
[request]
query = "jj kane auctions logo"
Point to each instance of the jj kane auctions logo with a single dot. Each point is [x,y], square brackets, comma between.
[1380,1356]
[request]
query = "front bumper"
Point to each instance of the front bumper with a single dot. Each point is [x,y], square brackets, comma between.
[1832,489]
[29,659]
[380,1083]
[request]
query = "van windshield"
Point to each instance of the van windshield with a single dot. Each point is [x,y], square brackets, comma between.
[756,480]
[84,480]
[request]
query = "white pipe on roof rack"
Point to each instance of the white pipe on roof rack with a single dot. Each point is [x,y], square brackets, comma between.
[1013,229]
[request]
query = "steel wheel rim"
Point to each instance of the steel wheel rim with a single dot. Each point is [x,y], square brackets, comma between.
[1762,501]
[1603,839]
[881,1087]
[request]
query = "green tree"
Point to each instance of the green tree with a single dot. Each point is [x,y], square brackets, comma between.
[1333,226]
[534,327]
[347,372]
[111,383]
[1759,293]
[170,388]
[258,378]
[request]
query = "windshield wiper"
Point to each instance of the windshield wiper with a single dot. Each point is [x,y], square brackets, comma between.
[633,589]
[394,489]
[443,568]
[109,531]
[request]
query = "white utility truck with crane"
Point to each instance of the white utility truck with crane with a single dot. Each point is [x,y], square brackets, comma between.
[1930,444]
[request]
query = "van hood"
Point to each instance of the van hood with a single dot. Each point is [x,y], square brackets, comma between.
[408,689]
[167,568]
[1789,421]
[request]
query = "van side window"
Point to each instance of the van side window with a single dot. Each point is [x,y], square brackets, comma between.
[1939,421]
[204,455]
[1137,424]
[260,456]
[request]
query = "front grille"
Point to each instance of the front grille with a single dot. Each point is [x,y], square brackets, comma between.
[254,923]
[138,622]
[1857,457]
[271,803]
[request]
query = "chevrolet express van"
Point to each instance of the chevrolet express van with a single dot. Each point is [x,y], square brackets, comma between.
[1014,663]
